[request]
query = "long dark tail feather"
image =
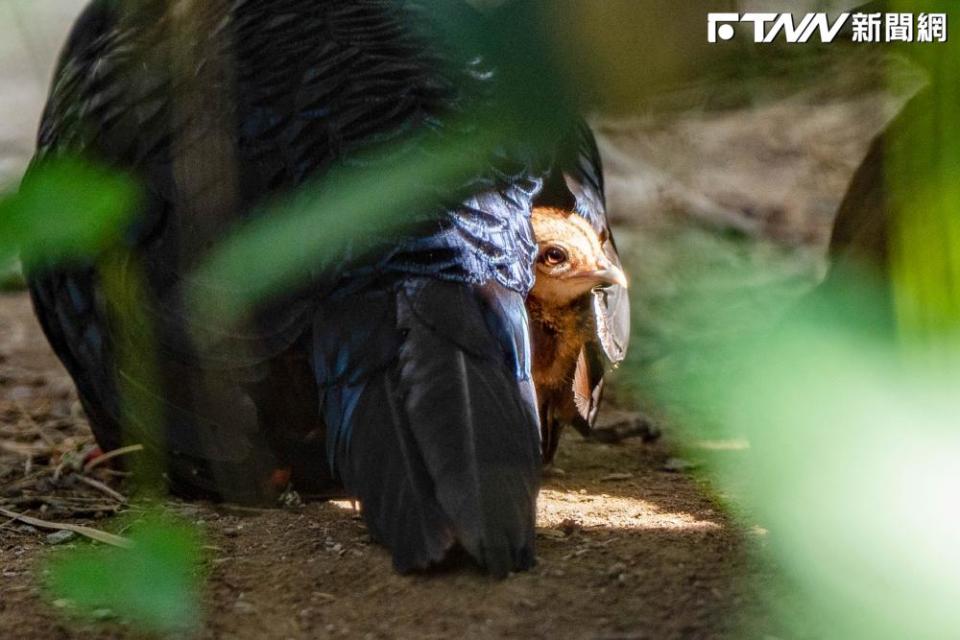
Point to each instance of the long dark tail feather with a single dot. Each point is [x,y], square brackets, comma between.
[474,430]
[442,442]
[385,469]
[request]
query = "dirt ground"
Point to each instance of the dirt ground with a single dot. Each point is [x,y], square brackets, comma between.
[627,549]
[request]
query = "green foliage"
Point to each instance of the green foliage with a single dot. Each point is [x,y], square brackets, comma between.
[155,583]
[66,208]
[309,231]
[844,449]
[923,169]
[850,458]
[11,278]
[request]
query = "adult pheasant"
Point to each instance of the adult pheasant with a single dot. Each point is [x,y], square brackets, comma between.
[401,372]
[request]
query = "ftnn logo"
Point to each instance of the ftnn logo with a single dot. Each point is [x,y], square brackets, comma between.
[767,26]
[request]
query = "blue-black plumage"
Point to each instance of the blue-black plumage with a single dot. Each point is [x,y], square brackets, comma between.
[403,377]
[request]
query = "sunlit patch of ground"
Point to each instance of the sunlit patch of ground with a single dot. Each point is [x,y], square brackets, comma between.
[557,508]
[558,512]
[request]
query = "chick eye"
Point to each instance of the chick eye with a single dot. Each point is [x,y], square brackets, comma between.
[553,256]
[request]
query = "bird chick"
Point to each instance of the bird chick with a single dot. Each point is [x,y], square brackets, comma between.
[571,263]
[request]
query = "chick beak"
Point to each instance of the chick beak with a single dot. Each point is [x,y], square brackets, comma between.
[608,275]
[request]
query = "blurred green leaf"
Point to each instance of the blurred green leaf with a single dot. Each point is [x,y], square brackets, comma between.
[846,457]
[922,173]
[350,207]
[852,470]
[155,583]
[11,277]
[65,208]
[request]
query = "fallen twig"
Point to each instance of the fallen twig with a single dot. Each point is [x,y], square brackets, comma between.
[122,451]
[89,532]
[99,486]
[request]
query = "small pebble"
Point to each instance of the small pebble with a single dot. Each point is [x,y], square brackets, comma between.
[290,499]
[59,537]
[242,606]
[614,477]
[21,393]
[570,526]
[678,465]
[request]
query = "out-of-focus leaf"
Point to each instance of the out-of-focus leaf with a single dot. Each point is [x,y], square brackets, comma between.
[851,470]
[922,175]
[348,208]
[845,459]
[65,208]
[11,278]
[155,583]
